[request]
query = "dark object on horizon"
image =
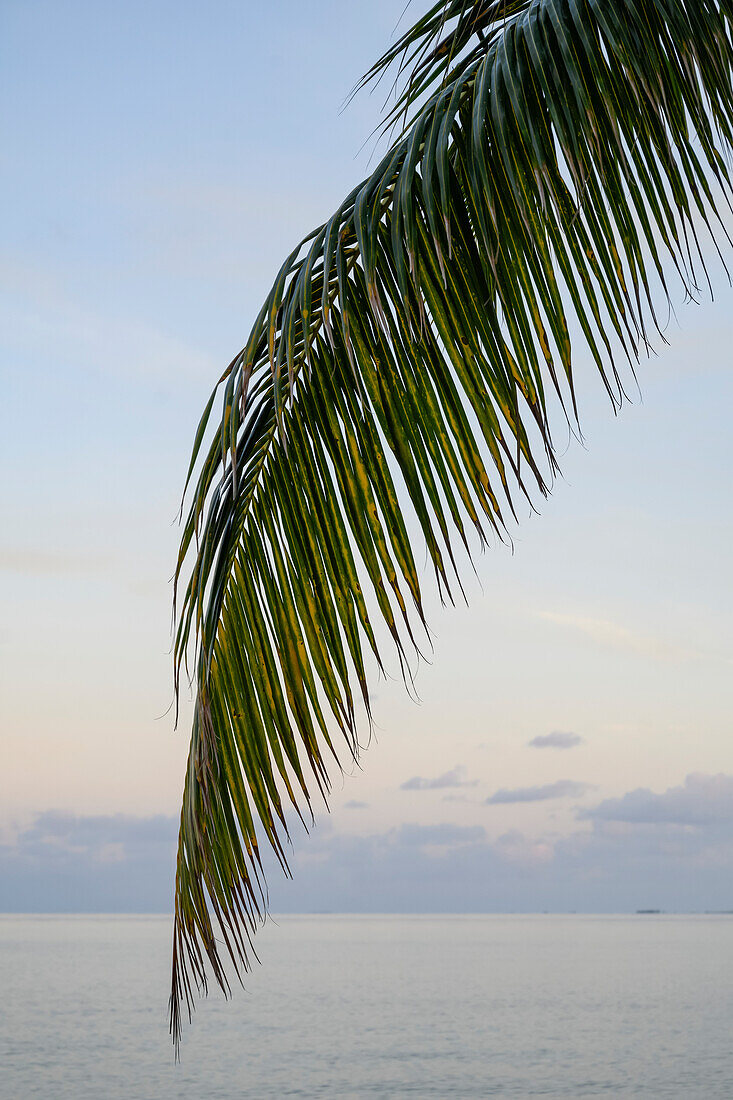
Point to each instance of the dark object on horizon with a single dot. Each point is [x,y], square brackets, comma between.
[647,912]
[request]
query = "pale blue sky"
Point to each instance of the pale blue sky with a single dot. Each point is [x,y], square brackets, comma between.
[158,161]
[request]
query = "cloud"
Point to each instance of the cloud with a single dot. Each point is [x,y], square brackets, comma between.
[453,778]
[64,862]
[517,848]
[676,856]
[228,225]
[563,788]
[439,836]
[75,833]
[555,740]
[612,636]
[41,563]
[700,800]
[40,318]
[354,805]
[605,867]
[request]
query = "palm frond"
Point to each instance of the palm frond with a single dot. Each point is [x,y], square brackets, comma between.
[558,164]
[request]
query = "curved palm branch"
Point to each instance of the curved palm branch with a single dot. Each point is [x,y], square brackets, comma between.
[554,165]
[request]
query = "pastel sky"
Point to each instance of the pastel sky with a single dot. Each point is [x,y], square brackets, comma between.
[572,747]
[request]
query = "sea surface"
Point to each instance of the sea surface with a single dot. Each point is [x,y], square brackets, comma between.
[376,1006]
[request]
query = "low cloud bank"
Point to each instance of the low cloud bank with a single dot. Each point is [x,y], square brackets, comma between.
[95,863]
[672,851]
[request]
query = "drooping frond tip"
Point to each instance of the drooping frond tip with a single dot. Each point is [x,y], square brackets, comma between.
[562,159]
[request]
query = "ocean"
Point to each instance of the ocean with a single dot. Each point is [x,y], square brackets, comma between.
[376,1006]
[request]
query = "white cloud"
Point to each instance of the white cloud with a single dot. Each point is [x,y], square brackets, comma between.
[613,636]
[42,319]
[41,562]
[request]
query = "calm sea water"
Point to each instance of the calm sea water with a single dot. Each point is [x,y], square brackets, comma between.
[342,1007]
